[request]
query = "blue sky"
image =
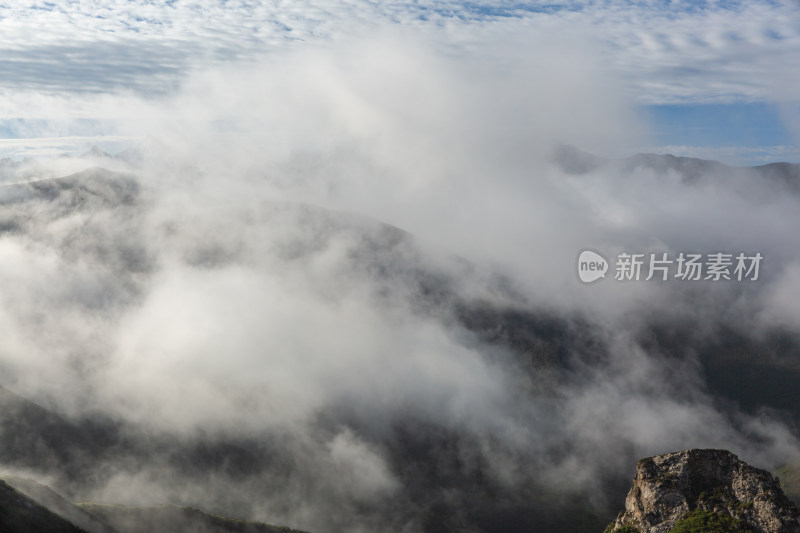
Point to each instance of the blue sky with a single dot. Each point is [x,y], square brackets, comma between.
[713,79]
[746,133]
[746,124]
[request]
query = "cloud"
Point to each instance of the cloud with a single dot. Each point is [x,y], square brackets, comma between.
[50,147]
[241,290]
[96,67]
[669,53]
[675,53]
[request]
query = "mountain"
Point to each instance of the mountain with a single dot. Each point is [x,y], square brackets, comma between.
[21,514]
[575,161]
[56,503]
[101,226]
[27,506]
[97,153]
[171,518]
[131,156]
[440,490]
[790,481]
[704,490]
[691,170]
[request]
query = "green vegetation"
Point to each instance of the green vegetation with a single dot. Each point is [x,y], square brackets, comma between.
[718,496]
[700,521]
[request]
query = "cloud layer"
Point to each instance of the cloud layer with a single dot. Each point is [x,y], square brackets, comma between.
[674,52]
[244,288]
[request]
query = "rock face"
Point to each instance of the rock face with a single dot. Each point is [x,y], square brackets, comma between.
[669,487]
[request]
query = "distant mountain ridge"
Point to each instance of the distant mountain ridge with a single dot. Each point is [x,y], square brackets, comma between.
[574,161]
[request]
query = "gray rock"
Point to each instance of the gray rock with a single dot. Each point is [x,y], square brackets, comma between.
[668,487]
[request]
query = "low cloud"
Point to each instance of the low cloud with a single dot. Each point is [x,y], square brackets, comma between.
[322,261]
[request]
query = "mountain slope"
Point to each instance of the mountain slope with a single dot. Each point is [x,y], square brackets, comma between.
[21,514]
[27,506]
[171,518]
[54,502]
[100,223]
[790,481]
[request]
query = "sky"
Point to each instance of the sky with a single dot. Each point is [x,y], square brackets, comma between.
[707,79]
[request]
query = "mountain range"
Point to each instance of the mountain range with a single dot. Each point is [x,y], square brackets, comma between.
[109,243]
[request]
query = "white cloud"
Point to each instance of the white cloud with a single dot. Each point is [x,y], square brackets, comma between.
[76,60]
[667,53]
[48,147]
[207,309]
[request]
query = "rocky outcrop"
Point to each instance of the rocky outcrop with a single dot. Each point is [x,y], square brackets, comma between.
[669,488]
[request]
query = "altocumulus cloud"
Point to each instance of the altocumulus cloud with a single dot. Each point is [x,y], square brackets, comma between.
[669,52]
[63,61]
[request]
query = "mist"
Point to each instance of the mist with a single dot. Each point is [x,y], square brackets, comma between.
[320,259]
